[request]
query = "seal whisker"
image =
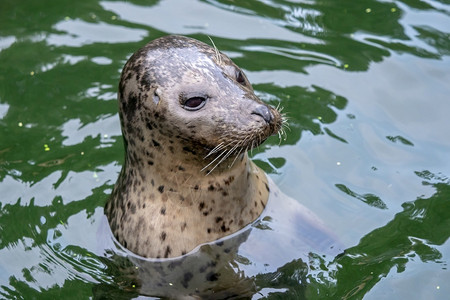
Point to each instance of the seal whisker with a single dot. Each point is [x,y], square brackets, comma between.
[235,158]
[283,136]
[218,156]
[215,149]
[219,59]
[278,107]
[223,158]
[226,151]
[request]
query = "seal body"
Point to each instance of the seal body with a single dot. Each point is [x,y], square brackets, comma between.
[188,117]
[193,216]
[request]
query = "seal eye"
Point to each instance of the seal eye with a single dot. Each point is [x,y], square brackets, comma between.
[194,103]
[240,77]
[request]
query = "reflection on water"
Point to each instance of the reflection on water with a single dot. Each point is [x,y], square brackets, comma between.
[364,85]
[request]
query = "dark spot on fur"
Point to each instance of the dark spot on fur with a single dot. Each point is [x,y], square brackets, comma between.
[205,213]
[212,276]
[208,230]
[161,189]
[267,187]
[196,187]
[150,163]
[163,211]
[181,168]
[186,278]
[168,250]
[218,219]
[187,149]
[224,193]
[201,206]
[262,203]
[183,227]
[163,236]
[171,266]
[129,108]
[113,225]
[229,180]
[208,265]
[211,188]
[155,143]
[152,182]
[183,252]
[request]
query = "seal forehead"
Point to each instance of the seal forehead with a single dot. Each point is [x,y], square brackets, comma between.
[187,64]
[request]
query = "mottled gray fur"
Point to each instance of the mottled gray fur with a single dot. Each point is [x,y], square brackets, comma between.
[188,117]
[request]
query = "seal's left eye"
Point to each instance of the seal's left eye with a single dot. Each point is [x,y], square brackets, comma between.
[194,103]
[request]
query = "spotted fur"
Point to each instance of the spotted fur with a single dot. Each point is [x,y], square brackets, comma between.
[187,179]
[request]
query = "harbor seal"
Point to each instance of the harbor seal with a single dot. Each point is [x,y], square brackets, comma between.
[188,117]
[191,214]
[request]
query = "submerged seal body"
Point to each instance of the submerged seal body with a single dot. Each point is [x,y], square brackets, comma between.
[188,117]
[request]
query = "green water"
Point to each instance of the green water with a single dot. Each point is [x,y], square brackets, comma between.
[366,87]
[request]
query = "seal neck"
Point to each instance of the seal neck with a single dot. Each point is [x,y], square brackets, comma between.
[198,208]
[184,173]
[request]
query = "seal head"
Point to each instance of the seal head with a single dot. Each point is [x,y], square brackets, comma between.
[188,117]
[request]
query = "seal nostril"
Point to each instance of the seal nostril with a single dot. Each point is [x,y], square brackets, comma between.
[264,112]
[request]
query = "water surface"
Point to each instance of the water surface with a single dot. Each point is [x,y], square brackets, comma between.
[366,88]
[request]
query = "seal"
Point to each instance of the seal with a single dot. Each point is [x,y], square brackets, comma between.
[188,116]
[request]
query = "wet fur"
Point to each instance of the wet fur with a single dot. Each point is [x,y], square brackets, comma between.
[187,178]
